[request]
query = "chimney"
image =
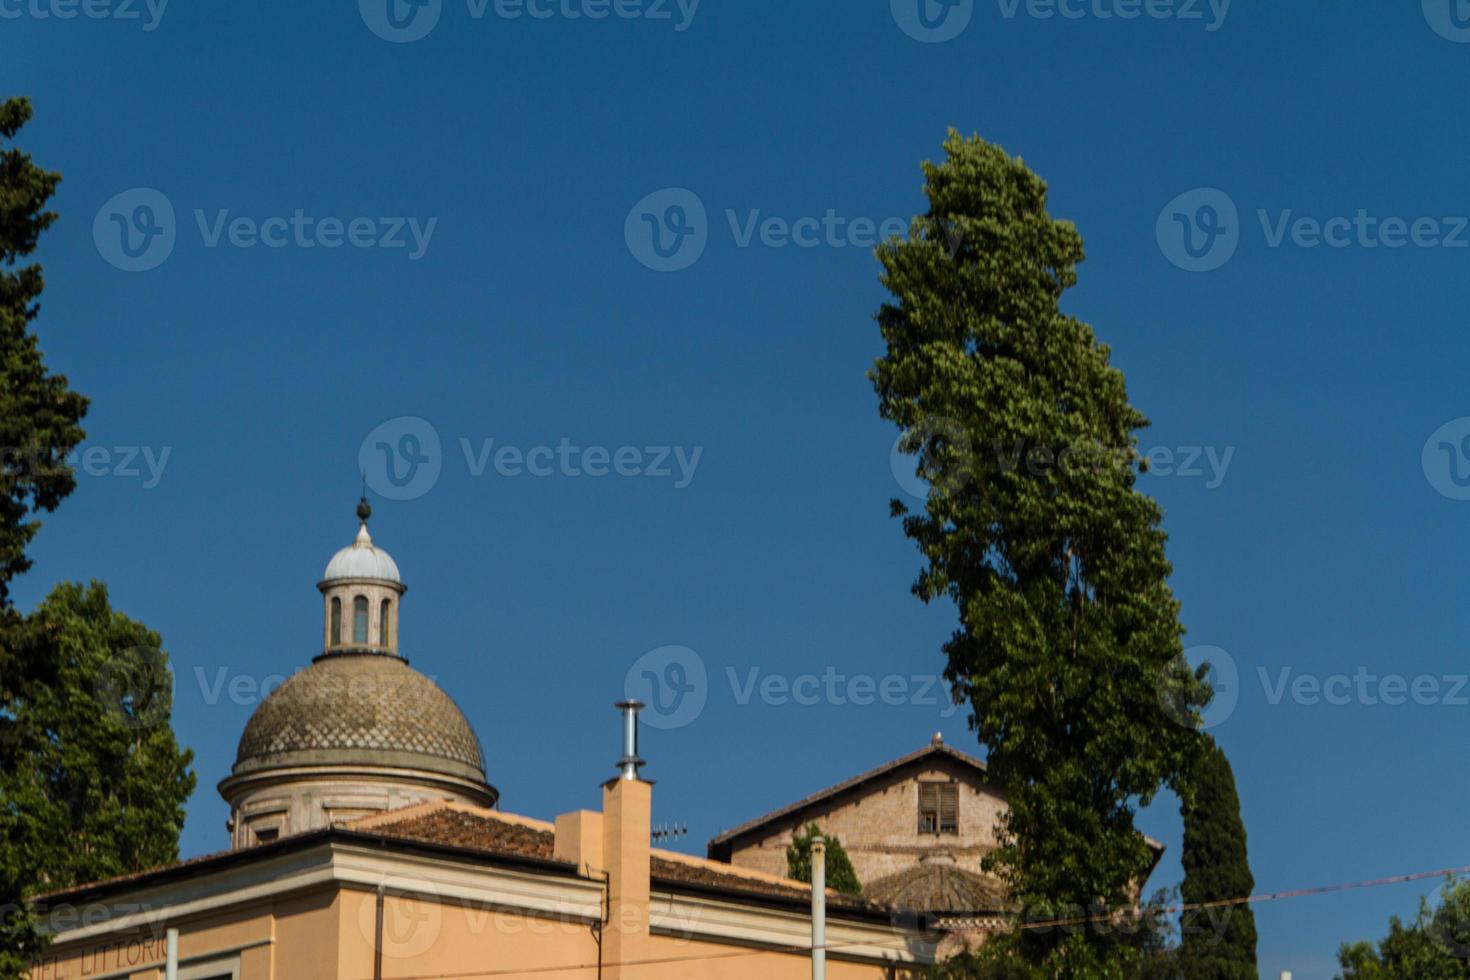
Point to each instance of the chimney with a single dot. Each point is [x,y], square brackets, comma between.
[627,822]
[579,841]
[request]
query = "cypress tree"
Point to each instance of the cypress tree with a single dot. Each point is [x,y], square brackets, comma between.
[840,873]
[92,781]
[1215,943]
[40,415]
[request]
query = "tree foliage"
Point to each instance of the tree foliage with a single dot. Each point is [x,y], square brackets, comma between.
[1146,934]
[840,873]
[1035,529]
[40,415]
[1435,946]
[1219,942]
[92,782]
[98,783]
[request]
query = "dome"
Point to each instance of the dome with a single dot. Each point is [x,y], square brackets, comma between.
[361,710]
[362,559]
[936,884]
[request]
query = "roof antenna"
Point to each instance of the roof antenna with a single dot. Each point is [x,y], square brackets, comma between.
[665,832]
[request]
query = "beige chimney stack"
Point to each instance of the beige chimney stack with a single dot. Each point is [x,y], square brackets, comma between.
[627,821]
[627,826]
[579,841]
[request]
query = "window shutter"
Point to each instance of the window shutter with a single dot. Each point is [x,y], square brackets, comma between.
[949,807]
[928,808]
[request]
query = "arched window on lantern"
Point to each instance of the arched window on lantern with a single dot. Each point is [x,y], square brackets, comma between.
[383,633]
[359,619]
[334,635]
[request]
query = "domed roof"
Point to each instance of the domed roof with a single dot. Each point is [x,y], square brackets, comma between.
[362,559]
[360,709]
[936,884]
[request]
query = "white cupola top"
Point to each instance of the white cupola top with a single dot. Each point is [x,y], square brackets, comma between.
[362,559]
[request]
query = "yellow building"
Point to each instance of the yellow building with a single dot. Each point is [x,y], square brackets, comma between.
[444,889]
[366,846]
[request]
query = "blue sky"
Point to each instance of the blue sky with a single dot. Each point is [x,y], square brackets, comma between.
[528,310]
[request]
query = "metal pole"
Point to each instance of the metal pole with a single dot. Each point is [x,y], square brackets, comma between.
[378,934]
[819,909]
[171,963]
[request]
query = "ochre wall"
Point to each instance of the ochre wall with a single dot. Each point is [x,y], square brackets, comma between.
[328,935]
[292,938]
[686,958]
[423,937]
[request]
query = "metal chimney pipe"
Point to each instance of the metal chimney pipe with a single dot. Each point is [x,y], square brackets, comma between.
[171,955]
[630,763]
[819,908]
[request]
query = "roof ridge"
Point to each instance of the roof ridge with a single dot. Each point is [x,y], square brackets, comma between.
[427,807]
[932,748]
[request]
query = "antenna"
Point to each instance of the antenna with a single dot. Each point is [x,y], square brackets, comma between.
[665,832]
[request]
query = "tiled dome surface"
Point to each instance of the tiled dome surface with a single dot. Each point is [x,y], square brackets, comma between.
[367,708]
[938,888]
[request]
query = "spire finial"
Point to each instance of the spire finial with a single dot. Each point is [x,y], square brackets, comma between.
[364,509]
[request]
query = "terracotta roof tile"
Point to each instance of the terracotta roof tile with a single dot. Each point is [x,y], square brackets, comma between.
[457,825]
[713,875]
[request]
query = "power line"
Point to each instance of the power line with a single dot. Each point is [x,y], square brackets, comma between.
[1255,899]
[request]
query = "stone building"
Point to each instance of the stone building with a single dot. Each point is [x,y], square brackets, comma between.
[915,829]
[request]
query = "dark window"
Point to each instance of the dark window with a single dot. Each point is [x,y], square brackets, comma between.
[267,834]
[383,624]
[359,619]
[939,808]
[335,637]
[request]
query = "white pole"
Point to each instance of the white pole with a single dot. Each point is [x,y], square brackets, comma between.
[171,965]
[1285,975]
[819,909]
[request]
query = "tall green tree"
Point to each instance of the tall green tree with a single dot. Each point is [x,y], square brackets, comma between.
[1219,942]
[840,873]
[1034,527]
[40,416]
[1434,946]
[92,781]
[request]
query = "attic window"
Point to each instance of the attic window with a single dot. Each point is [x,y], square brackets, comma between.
[939,808]
[265,835]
